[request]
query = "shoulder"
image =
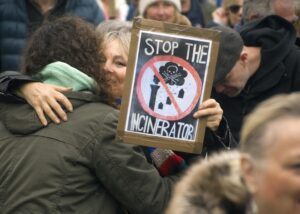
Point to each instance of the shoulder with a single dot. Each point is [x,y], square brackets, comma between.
[96,111]
[86,9]
[182,20]
[12,10]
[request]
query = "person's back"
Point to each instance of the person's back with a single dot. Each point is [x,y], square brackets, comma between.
[52,169]
[79,166]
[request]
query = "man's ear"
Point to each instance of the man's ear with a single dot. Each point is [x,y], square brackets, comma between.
[248,173]
[244,56]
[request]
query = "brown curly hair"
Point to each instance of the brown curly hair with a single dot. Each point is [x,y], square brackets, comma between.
[66,39]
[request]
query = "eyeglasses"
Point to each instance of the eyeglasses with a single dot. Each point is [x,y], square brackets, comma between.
[234,8]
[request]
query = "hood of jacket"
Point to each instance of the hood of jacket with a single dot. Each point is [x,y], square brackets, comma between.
[20,118]
[276,37]
[213,185]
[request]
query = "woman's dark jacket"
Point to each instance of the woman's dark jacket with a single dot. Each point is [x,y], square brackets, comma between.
[223,139]
[79,166]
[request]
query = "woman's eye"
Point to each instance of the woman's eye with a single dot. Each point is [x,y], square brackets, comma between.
[120,63]
[295,167]
[102,59]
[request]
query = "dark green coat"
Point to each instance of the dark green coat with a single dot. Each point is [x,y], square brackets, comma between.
[79,166]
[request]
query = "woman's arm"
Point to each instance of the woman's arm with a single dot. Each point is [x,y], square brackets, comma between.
[45,99]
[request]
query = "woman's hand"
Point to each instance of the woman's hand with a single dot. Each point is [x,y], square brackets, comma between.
[220,16]
[212,111]
[46,99]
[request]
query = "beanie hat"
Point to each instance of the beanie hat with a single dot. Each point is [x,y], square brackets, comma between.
[230,48]
[144,4]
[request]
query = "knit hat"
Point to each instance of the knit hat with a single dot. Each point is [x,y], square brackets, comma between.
[144,4]
[230,48]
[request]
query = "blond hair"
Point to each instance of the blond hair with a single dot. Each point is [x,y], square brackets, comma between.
[107,32]
[254,127]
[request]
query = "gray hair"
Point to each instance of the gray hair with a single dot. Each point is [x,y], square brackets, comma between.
[113,29]
[256,9]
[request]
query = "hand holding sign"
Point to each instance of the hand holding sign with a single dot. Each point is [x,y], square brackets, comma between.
[170,72]
[212,111]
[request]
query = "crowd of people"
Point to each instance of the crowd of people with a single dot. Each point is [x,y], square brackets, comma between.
[62,73]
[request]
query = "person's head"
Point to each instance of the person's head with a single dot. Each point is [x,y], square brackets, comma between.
[115,40]
[160,10]
[211,186]
[255,9]
[231,73]
[233,10]
[270,141]
[68,39]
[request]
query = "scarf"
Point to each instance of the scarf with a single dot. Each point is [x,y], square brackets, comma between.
[62,74]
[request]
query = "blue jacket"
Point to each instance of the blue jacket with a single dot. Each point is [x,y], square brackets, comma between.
[195,14]
[14,23]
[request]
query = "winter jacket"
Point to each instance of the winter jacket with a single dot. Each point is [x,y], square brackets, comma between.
[212,186]
[195,14]
[79,166]
[14,22]
[222,140]
[278,71]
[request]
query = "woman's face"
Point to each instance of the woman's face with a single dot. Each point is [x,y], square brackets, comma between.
[115,67]
[275,183]
[161,11]
[235,13]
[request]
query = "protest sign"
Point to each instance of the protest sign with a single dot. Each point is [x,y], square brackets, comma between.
[169,74]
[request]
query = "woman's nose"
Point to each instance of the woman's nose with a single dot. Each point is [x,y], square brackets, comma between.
[107,66]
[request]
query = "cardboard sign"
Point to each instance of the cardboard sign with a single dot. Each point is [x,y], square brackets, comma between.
[169,74]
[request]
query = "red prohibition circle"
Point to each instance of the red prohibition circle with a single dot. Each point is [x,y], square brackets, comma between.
[190,69]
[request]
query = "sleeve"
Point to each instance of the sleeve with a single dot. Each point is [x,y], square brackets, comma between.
[98,15]
[220,140]
[86,9]
[11,80]
[126,174]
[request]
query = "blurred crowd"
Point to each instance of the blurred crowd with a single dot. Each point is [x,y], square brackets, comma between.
[63,65]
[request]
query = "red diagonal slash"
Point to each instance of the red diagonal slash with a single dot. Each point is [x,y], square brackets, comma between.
[161,79]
